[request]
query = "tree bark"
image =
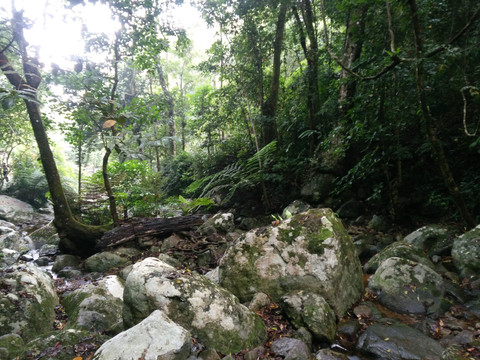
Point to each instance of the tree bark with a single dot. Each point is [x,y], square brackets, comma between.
[351,53]
[269,107]
[311,55]
[171,110]
[428,121]
[157,227]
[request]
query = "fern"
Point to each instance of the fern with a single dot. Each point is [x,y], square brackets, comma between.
[237,176]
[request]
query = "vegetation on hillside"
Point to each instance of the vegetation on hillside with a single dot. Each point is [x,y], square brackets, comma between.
[371,106]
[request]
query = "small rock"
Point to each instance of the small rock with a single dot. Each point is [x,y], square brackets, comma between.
[291,349]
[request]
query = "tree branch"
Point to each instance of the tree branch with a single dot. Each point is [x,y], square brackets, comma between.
[467,26]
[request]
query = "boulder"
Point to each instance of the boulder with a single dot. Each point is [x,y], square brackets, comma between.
[155,338]
[397,249]
[62,261]
[15,211]
[327,354]
[312,312]
[210,313]
[397,342]
[291,349]
[11,343]
[466,252]
[8,257]
[219,223]
[433,239]
[13,240]
[310,251]
[97,306]
[104,261]
[27,301]
[406,286]
[296,207]
[45,235]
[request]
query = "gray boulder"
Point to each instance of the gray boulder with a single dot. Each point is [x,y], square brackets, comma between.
[62,261]
[326,354]
[312,312]
[466,252]
[45,235]
[397,249]
[15,211]
[104,261]
[13,240]
[219,223]
[8,257]
[406,286]
[155,338]
[296,207]
[398,342]
[434,239]
[191,300]
[27,301]
[311,251]
[291,349]
[97,306]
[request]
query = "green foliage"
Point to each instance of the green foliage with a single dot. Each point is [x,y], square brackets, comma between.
[238,176]
[28,182]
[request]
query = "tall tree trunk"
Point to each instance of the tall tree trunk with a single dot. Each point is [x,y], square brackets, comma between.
[171,110]
[311,55]
[351,52]
[113,92]
[74,237]
[437,149]
[269,107]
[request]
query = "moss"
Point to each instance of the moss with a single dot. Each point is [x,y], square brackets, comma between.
[288,235]
[316,241]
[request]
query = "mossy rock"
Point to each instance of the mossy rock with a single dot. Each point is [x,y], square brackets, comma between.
[398,249]
[309,252]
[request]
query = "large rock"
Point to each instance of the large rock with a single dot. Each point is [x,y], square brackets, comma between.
[27,301]
[433,239]
[310,251]
[97,306]
[155,338]
[45,235]
[209,312]
[310,311]
[397,249]
[15,211]
[406,286]
[13,240]
[104,261]
[466,252]
[398,342]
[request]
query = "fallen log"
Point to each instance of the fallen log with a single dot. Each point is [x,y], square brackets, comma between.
[151,227]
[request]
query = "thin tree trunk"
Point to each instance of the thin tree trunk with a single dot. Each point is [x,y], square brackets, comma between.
[428,121]
[171,110]
[311,55]
[269,107]
[352,50]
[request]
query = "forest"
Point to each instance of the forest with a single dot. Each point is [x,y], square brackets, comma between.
[364,107]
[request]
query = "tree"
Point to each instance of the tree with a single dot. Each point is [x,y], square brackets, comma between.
[75,236]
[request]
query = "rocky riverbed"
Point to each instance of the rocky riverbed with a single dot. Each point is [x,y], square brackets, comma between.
[300,288]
